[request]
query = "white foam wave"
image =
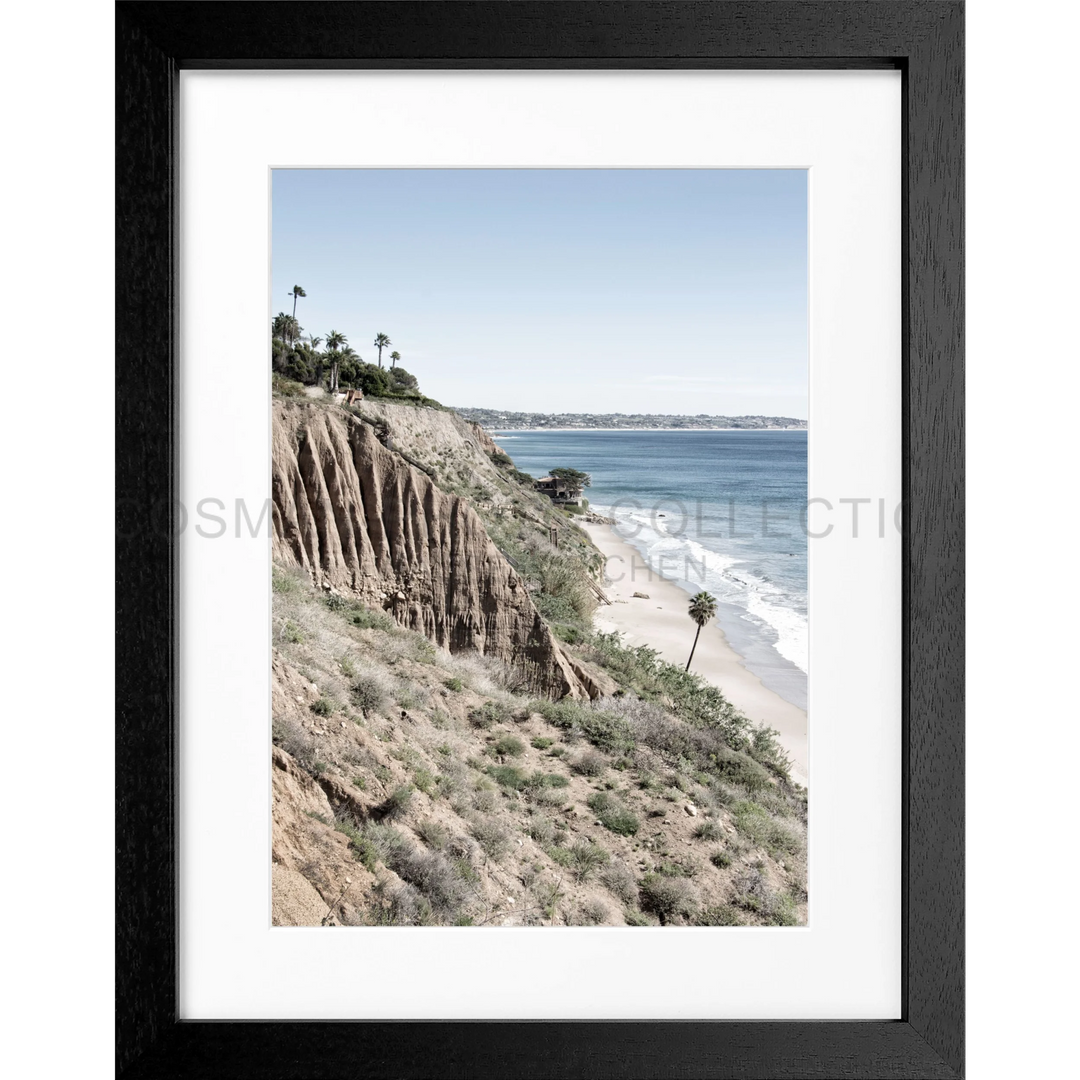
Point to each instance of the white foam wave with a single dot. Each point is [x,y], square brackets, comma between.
[778,614]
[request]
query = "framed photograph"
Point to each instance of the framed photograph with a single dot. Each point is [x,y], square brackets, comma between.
[540,550]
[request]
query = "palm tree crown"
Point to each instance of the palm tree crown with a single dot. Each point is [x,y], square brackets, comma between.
[381,342]
[285,327]
[702,609]
[335,341]
[296,292]
[394,358]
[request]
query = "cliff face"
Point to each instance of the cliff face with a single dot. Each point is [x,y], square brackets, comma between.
[360,519]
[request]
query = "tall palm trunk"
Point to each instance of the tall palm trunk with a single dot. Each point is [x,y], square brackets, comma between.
[694,646]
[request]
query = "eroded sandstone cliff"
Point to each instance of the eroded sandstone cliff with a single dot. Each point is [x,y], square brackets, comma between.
[362,520]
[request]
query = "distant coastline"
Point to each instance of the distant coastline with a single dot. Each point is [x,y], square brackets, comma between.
[496,428]
[508,420]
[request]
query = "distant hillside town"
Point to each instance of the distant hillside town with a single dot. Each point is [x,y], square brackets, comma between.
[499,420]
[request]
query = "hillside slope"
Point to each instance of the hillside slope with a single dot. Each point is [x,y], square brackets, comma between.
[454,744]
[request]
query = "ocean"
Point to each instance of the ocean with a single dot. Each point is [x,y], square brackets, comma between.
[718,511]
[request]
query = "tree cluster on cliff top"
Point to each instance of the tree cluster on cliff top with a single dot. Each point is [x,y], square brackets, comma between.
[297,356]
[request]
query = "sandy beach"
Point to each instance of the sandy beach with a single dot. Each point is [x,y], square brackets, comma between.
[662,623]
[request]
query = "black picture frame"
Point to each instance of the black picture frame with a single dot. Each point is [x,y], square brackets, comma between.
[924,39]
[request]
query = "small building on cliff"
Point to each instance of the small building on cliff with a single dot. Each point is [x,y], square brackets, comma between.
[560,491]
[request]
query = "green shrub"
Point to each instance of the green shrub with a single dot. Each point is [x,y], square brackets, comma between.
[587,858]
[758,825]
[753,894]
[398,801]
[739,768]
[411,695]
[367,619]
[667,898]
[593,913]
[612,815]
[432,833]
[286,388]
[633,917]
[722,793]
[454,684]
[783,912]
[548,797]
[688,695]
[604,729]
[590,764]
[546,780]
[370,378]
[541,830]
[466,871]
[324,707]
[721,859]
[541,742]
[618,880]
[719,915]
[508,776]
[423,651]
[561,856]
[484,801]
[549,894]
[508,746]
[489,714]
[281,582]
[424,780]
[708,830]
[677,868]
[432,874]
[374,842]
[448,785]
[369,695]
[493,839]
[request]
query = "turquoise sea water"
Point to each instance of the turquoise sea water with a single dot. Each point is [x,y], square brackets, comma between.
[713,510]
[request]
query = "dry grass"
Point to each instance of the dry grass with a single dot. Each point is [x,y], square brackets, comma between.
[463,808]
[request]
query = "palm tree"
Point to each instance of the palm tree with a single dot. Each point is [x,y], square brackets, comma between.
[334,342]
[702,609]
[286,327]
[381,341]
[347,355]
[337,350]
[394,358]
[296,292]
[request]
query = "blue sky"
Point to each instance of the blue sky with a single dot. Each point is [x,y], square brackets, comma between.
[559,290]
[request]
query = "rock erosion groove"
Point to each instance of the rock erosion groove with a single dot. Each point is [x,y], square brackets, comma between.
[360,519]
